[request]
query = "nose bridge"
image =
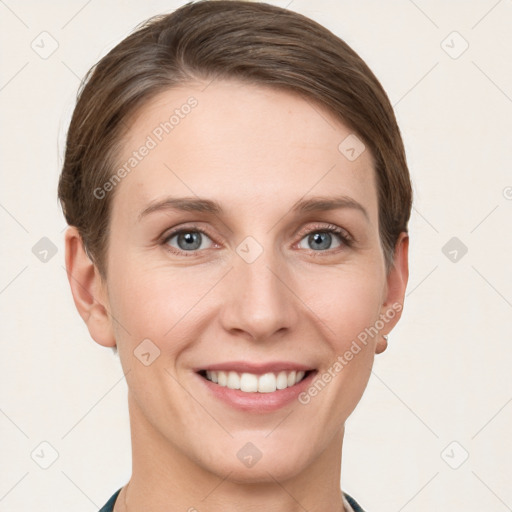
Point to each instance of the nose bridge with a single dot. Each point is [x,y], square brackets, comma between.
[259,302]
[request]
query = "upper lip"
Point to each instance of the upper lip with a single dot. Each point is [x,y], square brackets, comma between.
[256,368]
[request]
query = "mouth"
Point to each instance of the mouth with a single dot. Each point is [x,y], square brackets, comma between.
[255,387]
[247,382]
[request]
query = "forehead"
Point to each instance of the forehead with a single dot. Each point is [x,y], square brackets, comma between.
[246,146]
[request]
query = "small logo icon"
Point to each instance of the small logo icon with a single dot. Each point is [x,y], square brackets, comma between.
[249,249]
[507,193]
[455,455]
[454,249]
[351,147]
[44,45]
[249,455]
[44,455]
[44,250]
[454,45]
[146,352]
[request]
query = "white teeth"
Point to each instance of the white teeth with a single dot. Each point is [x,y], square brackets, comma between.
[222,378]
[251,383]
[233,380]
[282,380]
[267,383]
[210,376]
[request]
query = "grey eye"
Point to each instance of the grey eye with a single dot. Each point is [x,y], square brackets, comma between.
[188,240]
[319,240]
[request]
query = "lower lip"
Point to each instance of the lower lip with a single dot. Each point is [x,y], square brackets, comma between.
[258,402]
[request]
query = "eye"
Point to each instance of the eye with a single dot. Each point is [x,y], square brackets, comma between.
[318,239]
[187,240]
[321,238]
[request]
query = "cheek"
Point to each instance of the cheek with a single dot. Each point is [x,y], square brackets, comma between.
[158,302]
[346,301]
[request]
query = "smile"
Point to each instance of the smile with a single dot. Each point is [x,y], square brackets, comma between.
[253,383]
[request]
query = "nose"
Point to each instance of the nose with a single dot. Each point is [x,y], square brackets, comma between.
[259,299]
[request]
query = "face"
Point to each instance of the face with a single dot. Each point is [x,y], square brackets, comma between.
[244,249]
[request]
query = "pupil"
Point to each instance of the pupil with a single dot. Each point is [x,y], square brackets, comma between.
[317,238]
[192,240]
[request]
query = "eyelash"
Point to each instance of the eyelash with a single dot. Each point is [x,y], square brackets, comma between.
[346,239]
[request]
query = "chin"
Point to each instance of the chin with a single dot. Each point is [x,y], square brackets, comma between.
[249,465]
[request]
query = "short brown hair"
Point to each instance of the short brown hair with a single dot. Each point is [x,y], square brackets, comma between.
[251,42]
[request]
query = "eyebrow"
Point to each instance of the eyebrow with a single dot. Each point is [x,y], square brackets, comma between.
[195,204]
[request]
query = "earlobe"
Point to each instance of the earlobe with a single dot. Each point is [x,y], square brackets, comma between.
[382,344]
[397,278]
[87,289]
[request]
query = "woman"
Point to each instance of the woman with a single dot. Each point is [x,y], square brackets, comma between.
[238,197]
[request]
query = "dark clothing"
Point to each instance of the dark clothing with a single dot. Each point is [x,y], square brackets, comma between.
[109,506]
[353,503]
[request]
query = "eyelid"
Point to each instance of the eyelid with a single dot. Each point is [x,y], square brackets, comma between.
[330,228]
[183,227]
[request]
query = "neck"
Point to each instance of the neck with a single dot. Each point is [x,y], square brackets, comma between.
[164,478]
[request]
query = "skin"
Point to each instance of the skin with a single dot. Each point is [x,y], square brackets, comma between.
[256,151]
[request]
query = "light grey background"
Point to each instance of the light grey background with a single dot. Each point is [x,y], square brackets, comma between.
[442,390]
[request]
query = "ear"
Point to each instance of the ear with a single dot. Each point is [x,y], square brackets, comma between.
[88,289]
[397,278]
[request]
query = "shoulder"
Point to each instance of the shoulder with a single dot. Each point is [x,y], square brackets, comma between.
[109,506]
